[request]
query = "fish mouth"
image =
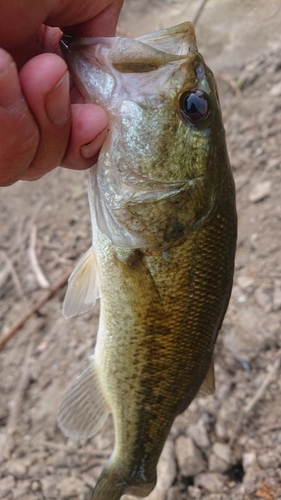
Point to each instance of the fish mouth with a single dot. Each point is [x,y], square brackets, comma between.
[177,40]
[145,53]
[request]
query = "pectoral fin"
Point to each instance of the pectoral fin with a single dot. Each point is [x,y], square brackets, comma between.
[84,408]
[208,386]
[83,289]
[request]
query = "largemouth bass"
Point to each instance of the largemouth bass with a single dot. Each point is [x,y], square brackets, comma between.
[162,204]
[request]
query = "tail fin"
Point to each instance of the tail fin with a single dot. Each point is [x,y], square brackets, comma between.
[111,485]
[108,487]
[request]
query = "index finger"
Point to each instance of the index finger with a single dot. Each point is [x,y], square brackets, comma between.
[102,24]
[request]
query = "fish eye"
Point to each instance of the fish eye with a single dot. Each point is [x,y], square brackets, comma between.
[194,106]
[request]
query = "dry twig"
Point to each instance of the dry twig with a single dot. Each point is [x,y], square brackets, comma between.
[10,270]
[199,12]
[41,279]
[61,447]
[23,383]
[93,463]
[18,324]
[256,398]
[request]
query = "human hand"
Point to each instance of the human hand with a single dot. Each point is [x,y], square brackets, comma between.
[39,127]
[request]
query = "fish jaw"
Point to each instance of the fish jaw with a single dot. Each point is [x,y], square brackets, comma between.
[94,62]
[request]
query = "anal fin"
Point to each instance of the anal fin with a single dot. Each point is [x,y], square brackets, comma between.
[208,386]
[84,408]
[83,288]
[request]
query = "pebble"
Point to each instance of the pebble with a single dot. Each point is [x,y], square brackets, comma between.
[213,496]
[49,486]
[35,486]
[277,295]
[245,282]
[249,459]
[18,467]
[263,299]
[222,451]
[70,487]
[267,460]
[212,482]
[194,492]
[62,459]
[275,90]
[21,489]
[226,418]
[251,478]
[7,485]
[173,493]
[260,191]
[190,459]
[216,464]
[3,413]
[199,434]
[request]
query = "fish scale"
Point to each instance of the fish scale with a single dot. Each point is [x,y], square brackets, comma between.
[162,257]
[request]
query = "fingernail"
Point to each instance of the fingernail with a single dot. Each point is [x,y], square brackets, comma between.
[93,147]
[57,102]
[10,91]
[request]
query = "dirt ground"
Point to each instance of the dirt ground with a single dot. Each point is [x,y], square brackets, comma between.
[226,446]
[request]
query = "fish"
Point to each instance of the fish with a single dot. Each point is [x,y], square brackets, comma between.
[164,225]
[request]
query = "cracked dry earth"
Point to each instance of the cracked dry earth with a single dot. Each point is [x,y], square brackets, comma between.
[226,446]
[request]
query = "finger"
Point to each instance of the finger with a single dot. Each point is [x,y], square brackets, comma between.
[45,84]
[89,130]
[102,20]
[19,136]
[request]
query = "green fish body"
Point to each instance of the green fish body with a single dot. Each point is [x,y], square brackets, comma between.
[162,203]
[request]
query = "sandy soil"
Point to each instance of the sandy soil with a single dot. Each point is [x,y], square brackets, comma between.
[223,447]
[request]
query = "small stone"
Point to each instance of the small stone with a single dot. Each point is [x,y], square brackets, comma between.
[173,493]
[189,457]
[268,460]
[245,282]
[212,482]
[277,295]
[251,478]
[263,299]
[70,487]
[222,451]
[194,492]
[226,418]
[21,489]
[59,459]
[3,413]
[18,468]
[212,496]
[49,486]
[7,485]
[260,191]
[249,460]
[199,434]
[35,486]
[275,90]
[216,464]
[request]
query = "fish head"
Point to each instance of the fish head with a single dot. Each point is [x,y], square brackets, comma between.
[159,171]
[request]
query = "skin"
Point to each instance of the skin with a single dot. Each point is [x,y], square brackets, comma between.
[43,124]
[163,301]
